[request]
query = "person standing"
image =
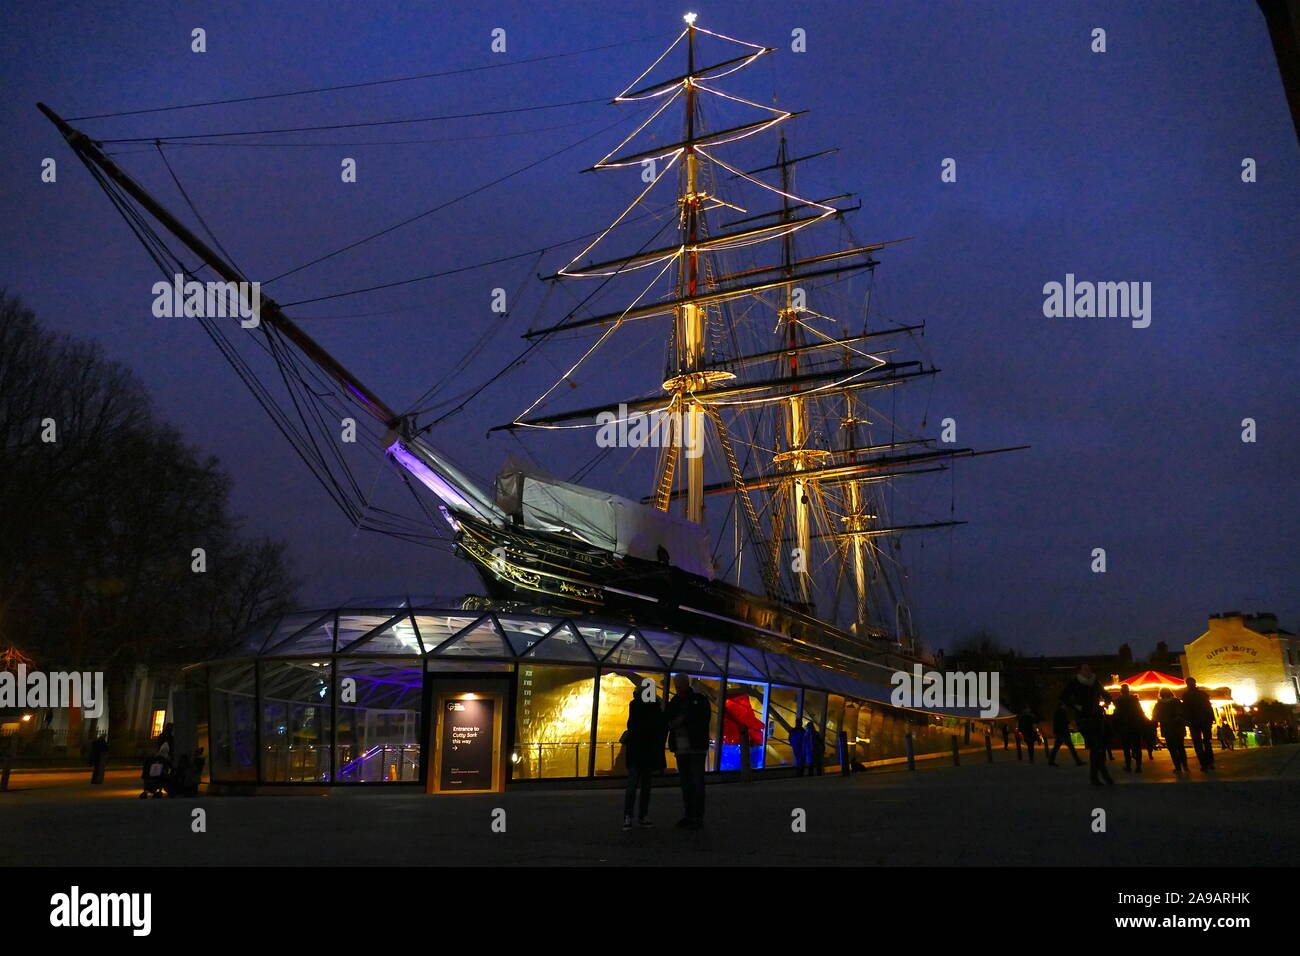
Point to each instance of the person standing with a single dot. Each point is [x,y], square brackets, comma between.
[1061,731]
[796,747]
[1006,735]
[1027,724]
[1169,718]
[689,716]
[1128,724]
[98,759]
[643,748]
[1225,736]
[814,747]
[1200,720]
[1088,698]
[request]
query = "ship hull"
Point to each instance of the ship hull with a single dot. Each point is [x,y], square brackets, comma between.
[531,567]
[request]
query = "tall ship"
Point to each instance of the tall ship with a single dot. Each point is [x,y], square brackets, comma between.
[715,343]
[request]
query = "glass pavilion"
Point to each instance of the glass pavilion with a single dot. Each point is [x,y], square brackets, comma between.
[351,695]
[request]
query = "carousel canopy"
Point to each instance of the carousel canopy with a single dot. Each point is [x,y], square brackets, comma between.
[1149,679]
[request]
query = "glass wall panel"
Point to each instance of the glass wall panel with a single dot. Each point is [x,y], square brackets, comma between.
[617,688]
[744,724]
[234,730]
[378,738]
[814,721]
[553,731]
[850,728]
[834,724]
[864,751]
[782,712]
[295,699]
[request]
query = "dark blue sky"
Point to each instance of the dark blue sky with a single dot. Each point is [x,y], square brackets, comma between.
[1116,166]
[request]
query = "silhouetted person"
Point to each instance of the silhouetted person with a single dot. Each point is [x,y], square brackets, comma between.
[1200,722]
[814,749]
[156,771]
[1061,731]
[1088,699]
[1225,736]
[1128,724]
[1173,727]
[1006,736]
[1149,736]
[643,749]
[796,746]
[98,759]
[1027,724]
[689,716]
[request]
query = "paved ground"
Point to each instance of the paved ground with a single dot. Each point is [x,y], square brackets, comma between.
[1245,813]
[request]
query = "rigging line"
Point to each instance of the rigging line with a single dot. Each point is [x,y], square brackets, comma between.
[598,343]
[159,252]
[288,360]
[380,142]
[466,359]
[443,205]
[534,343]
[435,275]
[194,209]
[365,124]
[369,83]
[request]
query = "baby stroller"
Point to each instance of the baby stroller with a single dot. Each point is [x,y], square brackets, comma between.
[156,775]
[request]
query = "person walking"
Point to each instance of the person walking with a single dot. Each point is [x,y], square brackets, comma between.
[1027,724]
[1173,727]
[1128,724]
[797,748]
[1200,720]
[689,716]
[643,748]
[1085,695]
[1006,736]
[1061,731]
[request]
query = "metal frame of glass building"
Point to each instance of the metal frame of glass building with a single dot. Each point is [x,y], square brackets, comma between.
[352,695]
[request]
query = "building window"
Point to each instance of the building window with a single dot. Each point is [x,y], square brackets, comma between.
[158,723]
[553,737]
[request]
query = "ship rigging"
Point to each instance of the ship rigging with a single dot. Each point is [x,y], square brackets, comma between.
[761,367]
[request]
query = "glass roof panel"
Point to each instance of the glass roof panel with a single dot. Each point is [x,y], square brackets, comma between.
[634,651]
[524,632]
[484,639]
[563,644]
[437,629]
[398,638]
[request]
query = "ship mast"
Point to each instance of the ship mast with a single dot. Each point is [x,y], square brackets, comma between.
[690,316]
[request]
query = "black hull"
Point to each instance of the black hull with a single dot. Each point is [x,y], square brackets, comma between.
[530,567]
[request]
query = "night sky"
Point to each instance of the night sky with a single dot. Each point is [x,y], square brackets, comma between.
[1115,167]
